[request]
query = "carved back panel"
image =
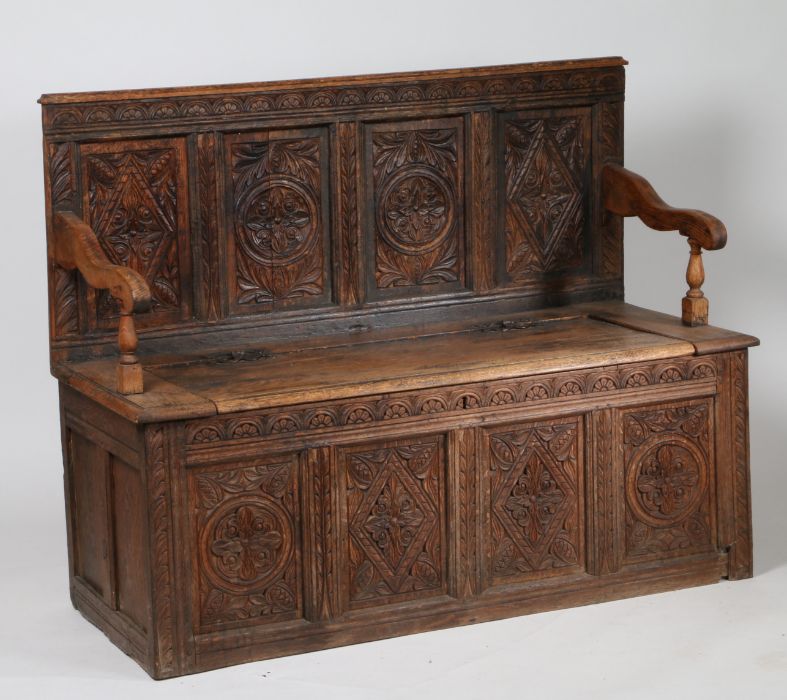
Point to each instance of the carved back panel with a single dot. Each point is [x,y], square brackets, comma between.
[277,203]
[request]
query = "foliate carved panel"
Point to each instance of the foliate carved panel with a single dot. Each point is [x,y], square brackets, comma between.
[545,159]
[417,204]
[136,199]
[535,499]
[668,479]
[395,520]
[247,543]
[278,235]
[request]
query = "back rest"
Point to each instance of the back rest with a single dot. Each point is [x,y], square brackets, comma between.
[288,205]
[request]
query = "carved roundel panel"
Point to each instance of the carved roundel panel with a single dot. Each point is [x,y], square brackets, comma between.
[278,221]
[247,543]
[666,481]
[416,210]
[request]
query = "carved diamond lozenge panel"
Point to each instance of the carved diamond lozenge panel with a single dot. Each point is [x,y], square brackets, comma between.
[535,499]
[667,456]
[278,240]
[417,204]
[136,200]
[395,499]
[246,536]
[545,201]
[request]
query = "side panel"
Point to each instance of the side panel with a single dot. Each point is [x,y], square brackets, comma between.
[669,480]
[533,495]
[394,525]
[135,196]
[278,220]
[246,543]
[415,207]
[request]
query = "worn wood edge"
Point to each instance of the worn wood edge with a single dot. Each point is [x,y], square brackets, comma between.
[126,405]
[585,591]
[333,81]
[706,340]
[450,378]
[88,379]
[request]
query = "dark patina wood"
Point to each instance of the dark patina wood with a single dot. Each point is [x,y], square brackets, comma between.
[345,359]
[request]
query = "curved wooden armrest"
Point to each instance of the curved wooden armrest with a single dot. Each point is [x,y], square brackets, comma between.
[75,246]
[627,194]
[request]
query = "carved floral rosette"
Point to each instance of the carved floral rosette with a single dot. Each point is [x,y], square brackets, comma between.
[667,462]
[246,534]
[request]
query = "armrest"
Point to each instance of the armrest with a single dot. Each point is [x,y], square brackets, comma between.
[627,194]
[75,246]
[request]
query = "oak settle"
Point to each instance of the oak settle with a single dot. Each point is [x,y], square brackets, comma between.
[345,359]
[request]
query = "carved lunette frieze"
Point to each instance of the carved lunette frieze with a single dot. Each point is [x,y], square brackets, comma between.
[374,409]
[196,108]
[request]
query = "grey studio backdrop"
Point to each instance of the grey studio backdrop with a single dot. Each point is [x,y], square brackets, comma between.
[705,122]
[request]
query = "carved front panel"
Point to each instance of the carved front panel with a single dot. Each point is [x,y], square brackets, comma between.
[416,210]
[136,199]
[278,237]
[668,479]
[535,503]
[395,520]
[247,543]
[546,159]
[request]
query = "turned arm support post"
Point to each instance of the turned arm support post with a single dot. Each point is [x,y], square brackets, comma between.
[75,246]
[627,194]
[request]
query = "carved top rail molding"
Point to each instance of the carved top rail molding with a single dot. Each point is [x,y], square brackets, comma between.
[526,82]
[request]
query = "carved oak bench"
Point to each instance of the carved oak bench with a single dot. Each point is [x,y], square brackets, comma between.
[386,380]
